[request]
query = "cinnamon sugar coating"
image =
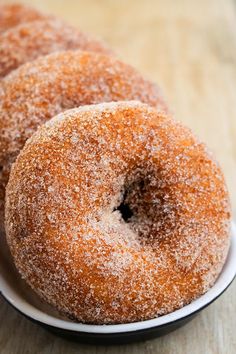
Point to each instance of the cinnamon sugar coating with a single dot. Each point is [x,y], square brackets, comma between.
[12,15]
[37,91]
[64,219]
[30,40]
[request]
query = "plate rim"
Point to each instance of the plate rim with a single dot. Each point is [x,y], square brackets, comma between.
[136,331]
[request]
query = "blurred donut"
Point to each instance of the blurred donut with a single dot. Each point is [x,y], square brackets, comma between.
[37,91]
[13,14]
[30,40]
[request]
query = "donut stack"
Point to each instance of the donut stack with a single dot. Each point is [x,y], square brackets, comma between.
[114,212]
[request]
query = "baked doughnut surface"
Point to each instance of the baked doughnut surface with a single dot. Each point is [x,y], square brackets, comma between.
[116,213]
[30,40]
[37,91]
[13,14]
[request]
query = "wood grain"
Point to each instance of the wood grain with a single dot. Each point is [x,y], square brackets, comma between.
[189,47]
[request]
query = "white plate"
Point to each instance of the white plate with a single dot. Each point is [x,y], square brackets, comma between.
[22,298]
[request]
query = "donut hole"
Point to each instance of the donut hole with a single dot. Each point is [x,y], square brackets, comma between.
[147,207]
[133,201]
[124,209]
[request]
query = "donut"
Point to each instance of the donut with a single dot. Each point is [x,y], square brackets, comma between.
[30,40]
[37,91]
[116,213]
[13,14]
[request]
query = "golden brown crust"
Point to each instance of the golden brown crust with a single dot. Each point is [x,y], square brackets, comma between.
[12,15]
[64,225]
[37,91]
[30,40]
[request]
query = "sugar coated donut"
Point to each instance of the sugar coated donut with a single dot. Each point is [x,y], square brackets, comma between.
[37,91]
[30,40]
[13,14]
[116,213]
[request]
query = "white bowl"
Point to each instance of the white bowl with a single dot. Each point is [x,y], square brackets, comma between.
[22,298]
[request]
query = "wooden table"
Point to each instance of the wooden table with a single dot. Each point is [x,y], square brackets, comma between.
[189,47]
